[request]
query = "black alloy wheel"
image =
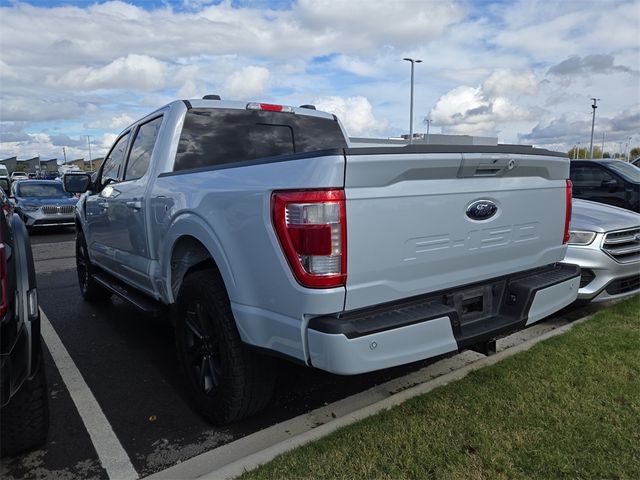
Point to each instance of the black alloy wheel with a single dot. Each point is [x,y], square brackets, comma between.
[227,380]
[202,349]
[89,288]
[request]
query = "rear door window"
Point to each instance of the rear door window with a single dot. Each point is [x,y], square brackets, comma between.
[212,137]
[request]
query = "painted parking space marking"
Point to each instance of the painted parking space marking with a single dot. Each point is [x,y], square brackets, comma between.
[112,455]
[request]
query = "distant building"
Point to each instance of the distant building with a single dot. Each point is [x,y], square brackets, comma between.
[31,165]
[49,166]
[10,163]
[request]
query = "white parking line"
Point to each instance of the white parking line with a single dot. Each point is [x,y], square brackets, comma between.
[112,455]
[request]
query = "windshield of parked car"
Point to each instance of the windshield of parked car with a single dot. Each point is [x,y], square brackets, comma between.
[628,171]
[41,190]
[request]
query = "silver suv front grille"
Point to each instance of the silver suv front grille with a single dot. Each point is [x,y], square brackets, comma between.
[623,246]
[57,209]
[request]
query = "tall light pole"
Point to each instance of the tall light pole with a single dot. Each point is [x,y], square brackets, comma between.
[90,161]
[593,122]
[602,153]
[413,62]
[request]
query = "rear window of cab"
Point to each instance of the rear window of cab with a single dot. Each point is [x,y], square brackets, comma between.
[216,136]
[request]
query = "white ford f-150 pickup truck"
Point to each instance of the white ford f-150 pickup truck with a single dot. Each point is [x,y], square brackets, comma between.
[266,235]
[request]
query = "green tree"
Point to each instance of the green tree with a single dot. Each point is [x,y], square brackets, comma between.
[634,153]
[581,153]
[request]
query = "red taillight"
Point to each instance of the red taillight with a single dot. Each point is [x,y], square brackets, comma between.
[567,212]
[312,229]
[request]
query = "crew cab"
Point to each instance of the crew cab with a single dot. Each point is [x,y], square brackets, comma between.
[266,235]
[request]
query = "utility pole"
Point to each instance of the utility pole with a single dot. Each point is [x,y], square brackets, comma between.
[427,120]
[90,161]
[593,122]
[64,153]
[413,62]
[602,145]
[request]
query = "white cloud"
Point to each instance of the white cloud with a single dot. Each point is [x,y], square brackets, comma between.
[482,110]
[90,68]
[136,72]
[355,114]
[506,82]
[247,82]
[116,122]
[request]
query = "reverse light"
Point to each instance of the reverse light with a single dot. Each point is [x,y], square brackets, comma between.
[269,107]
[578,237]
[4,289]
[567,212]
[32,303]
[312,229]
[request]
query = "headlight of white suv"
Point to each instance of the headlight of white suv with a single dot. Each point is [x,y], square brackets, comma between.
[578,237]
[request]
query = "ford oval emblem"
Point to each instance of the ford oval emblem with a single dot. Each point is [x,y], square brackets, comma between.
[481,210]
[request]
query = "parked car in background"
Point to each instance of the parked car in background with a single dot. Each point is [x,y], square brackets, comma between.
[4,173]
[5,203]
[5,185]
[24,411]
[607,181]
[43,203]
[605,242]
[15,176]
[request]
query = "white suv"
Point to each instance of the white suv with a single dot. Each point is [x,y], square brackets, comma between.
[19,176]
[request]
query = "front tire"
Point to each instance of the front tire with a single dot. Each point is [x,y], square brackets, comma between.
[91,290]
[25,419]
[228,381]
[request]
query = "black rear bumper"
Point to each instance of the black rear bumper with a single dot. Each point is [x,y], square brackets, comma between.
[478,312]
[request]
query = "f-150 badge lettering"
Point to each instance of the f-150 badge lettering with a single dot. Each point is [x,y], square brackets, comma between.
[493,237]
[481,210]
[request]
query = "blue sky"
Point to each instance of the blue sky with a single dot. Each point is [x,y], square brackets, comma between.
[522,71]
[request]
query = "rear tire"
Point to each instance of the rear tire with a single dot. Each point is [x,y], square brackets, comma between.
[228,382]
[91,290]
[25,419]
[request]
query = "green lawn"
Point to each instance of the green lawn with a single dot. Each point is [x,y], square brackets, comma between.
[567,408]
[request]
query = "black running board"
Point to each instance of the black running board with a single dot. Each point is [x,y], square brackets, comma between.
[142,302]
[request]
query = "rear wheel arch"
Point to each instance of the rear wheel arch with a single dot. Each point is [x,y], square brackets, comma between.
[189,254]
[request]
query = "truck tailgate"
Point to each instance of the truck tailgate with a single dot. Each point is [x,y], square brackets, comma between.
[410,231]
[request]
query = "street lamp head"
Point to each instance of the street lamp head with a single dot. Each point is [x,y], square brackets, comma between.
[412,60]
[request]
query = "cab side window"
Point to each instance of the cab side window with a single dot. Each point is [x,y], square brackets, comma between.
[142,149]
[585,176]
[114,163]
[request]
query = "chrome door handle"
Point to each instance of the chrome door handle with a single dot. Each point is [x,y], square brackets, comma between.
[135,205]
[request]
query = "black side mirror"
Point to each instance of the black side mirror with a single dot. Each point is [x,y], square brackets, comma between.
[611,184]
[76,182]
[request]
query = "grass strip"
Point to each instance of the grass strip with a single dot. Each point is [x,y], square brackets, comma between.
[567,408]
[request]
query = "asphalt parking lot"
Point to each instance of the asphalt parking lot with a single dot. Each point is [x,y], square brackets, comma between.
[128,368]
